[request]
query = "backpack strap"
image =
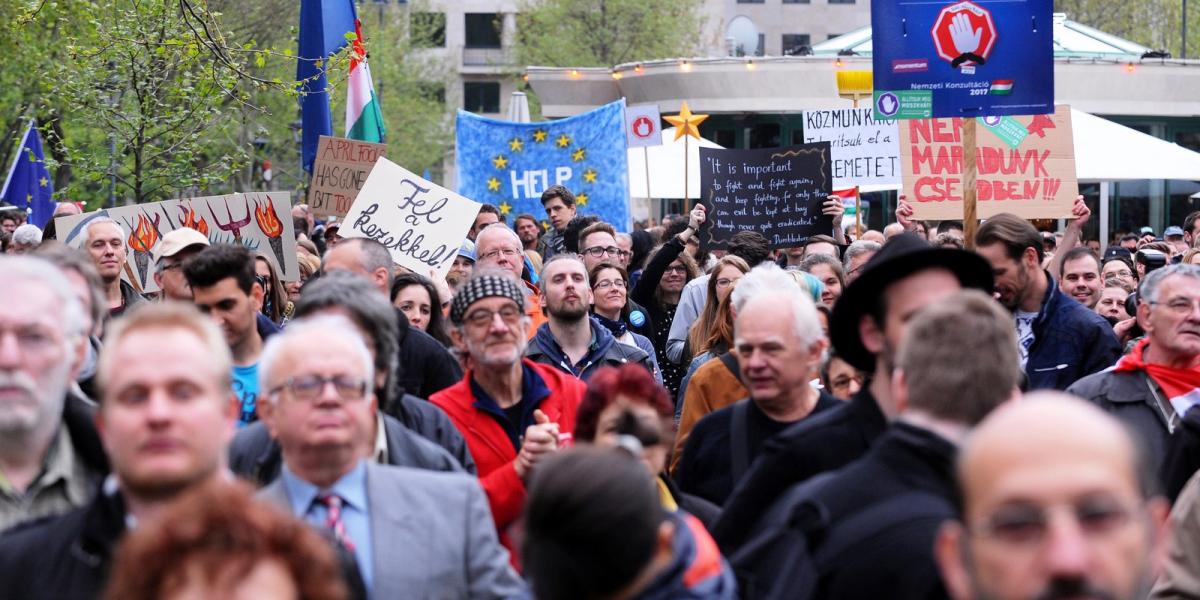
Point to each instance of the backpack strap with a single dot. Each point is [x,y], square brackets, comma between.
[876,518]
[731,363]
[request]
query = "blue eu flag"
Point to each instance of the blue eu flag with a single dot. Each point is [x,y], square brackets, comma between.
[510,164]
[323,28]
[29,185]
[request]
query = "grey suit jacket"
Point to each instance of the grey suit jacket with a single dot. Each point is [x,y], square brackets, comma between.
[432,536]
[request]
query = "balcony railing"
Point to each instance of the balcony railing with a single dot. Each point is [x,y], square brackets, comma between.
[488,57]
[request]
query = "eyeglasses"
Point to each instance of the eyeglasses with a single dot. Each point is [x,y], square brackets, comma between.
[307,388]
[725,282]
[171,267]
[604,285]
[1179,306]
[598,251]
[481,318]
[680,270]
[1029,524]
[506,252]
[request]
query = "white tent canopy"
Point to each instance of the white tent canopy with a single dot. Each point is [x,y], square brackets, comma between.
[1106,151]
[666,167]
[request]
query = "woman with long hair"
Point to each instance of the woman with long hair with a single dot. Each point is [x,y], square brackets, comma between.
[276,305]
[417,297]
[711,332]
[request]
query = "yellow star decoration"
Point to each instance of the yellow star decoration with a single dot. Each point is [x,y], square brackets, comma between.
[589,176]
[546,224]
[581,199]
[516,145]
[493,184]
[579,154]
[500,162]
[505,208]
[43,181]
[563,141]
[686,123]
[540,135]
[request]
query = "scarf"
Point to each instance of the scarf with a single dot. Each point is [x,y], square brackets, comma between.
[1182,386]
[617,328]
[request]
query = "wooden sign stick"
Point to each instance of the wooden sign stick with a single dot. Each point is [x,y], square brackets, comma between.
[970,222]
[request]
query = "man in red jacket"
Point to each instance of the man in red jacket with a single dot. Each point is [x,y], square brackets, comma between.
[512,412]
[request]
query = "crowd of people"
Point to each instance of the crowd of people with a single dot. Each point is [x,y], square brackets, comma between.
[579,412]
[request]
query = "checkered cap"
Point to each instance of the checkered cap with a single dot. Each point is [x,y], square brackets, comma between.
[480,287]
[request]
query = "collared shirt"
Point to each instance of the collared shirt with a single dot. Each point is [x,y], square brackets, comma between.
[533,391]
[65,483]
[356,513]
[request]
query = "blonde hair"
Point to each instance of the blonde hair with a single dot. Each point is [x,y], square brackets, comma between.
[166,315]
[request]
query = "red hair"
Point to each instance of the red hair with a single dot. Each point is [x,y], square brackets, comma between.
[629,380]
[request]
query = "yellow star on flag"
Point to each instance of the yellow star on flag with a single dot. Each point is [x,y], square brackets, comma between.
[563,141]
[540,135]
[493,184]
[505,208]
[516,145]
[43,181]
[28,198]
[686,123]
[500,162]
[546,225]
[589,176]
[581,199]
[578,155]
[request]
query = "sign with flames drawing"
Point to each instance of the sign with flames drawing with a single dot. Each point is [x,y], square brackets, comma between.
[260,221]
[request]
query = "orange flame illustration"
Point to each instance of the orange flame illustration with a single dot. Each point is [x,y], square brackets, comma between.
[189,219]
[144,237]
[267,221]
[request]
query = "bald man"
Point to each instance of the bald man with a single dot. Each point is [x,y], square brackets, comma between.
[1058,502]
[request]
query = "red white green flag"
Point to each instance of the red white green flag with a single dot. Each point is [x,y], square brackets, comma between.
[364,119]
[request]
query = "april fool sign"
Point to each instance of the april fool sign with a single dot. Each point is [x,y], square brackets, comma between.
[421,223]
[1026,166]
[341,169]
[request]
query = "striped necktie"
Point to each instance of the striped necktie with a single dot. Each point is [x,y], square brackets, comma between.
[333,519]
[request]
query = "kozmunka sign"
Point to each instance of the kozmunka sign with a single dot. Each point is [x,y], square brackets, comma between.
[1026,166]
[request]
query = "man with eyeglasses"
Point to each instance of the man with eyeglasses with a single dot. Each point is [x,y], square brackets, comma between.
[1152,387]
[413,533]
[176,247]
[1057,502]
[598,244]
[512,411]
[499,248]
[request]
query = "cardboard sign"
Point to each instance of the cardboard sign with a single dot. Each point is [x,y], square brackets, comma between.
[1026,166]
[421,223]
[776,191]
[260,221]
[341,169]
[864,151]
[962,58]
[643,126]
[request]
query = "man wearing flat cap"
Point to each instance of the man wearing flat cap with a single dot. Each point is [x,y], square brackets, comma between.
[868,323]
[176,247]
[512,411]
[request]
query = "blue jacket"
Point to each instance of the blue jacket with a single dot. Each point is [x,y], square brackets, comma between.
[697,571]
[604,351]
[1070,342]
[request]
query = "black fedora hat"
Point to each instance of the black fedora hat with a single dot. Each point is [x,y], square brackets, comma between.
[900,257]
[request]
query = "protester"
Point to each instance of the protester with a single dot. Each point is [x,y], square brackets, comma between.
[712,334]
[9,221]
[1111,305]
[1120,267]
[598,244]
[513,411]
[829,270]
[609,301]
[892,230]
[1152,385]
[224,287]
[1060,341]
[218,542]
[319,406]
[498,247]
[945,240]
[868,326]
[1179,576]
[868,529]
[275,305]
[1174,238]
[174,248]
[1079,276]
[572,340]
[571,232]
[839,377]
[463,263]
[595,528]
[775,362]
[872,235]
[50,456]
[1190,257]
[25,239]
[310,267]
[559,203]
[105,243]
[530,232]
[85,282]
[488,214]
[165,417]
[418,299]
[953,229]
[857,255]
[818,244]
[1057,502]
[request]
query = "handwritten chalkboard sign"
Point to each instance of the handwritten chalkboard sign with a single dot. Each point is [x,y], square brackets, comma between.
[777,192]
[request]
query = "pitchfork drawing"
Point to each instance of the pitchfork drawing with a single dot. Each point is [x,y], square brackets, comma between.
[230,225]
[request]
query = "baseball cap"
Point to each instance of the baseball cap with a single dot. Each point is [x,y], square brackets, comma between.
[1147,230]
[467,250]
[176,241]
[1173,230]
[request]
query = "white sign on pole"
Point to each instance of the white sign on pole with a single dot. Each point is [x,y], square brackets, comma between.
[420,222]
[643,126]
[864,151]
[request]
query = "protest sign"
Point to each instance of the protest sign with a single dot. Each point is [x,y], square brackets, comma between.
[864,151]
[643,126]
[1026,166]
[777,192]
[421,223]
[260,221]
[962,58]
[341,169]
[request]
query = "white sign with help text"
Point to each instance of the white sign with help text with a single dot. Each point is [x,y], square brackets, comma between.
[865,151]
[421,223]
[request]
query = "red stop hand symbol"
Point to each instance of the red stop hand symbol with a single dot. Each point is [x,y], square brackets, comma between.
[964,34]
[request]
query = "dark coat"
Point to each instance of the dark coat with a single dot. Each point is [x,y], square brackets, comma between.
[1070,342]
[647,286]
[606,351]
[813,446]
[433,424]
[426,367]
[894,557]
[79,418]
[1134,399]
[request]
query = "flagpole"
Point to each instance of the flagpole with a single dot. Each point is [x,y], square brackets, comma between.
[16,159]
[857,213]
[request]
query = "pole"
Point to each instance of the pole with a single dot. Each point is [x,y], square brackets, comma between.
[646,158]
[857,214]
[1104,218]
[970,223]
[687,200]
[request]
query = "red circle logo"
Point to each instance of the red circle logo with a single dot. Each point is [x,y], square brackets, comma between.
[643,127]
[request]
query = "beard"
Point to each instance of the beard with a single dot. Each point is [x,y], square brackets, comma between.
[35,407]
[569,313]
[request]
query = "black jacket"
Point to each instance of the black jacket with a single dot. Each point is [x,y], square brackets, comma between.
[1070,342]
[1134,399]
[258,458]
[1183,454]
[426,367]
[815,445]
[79,418]
[893,558]
[433,424]
[647,286]
[605,351]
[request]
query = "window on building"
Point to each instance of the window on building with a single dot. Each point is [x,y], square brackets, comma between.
[726,138]
[765,135]
[750,1]
[482,30]
[841,1]
[794,43]
[428,29]
[797,1]
[481,96]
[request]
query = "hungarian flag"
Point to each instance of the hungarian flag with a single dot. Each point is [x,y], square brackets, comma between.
[364,120]
[1001,87]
